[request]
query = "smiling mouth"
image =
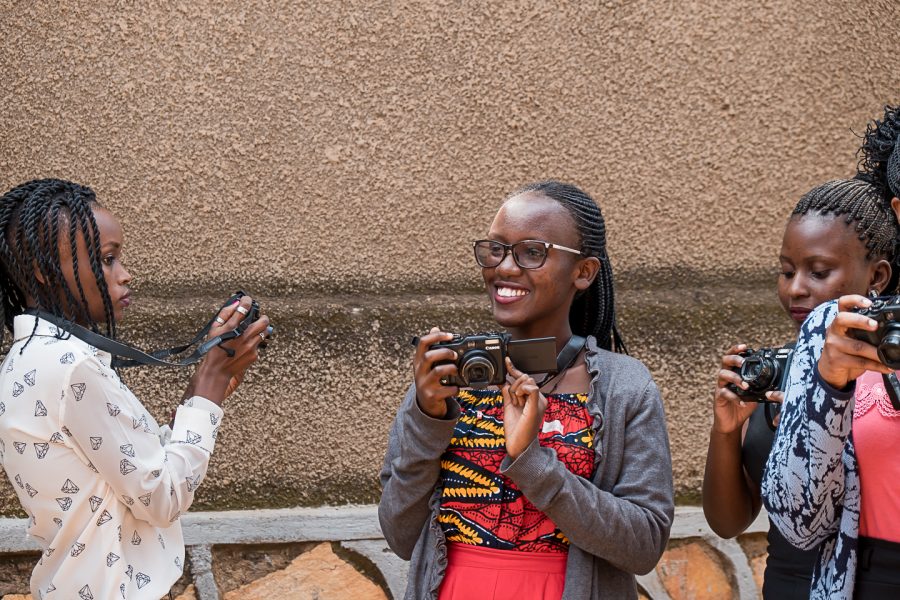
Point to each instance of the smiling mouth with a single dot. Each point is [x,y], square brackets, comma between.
[508,292]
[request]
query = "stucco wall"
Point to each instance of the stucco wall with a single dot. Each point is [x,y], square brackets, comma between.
[337,159]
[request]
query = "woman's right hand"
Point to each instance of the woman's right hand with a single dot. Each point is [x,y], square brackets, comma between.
[845,358]
[431,394]
[729,410]
[219,374]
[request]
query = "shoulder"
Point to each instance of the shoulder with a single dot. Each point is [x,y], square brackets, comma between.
[623,378]
[625,370]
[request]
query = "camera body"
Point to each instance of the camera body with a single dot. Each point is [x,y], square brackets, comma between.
[481,358]
[764,370]
[251,317]
[885,310]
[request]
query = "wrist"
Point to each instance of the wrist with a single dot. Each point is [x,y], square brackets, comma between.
[435,410]
[209,383]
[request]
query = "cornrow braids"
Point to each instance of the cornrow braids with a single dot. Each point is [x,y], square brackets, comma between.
[32,215]
[879,155]
[593,312]
[861,204]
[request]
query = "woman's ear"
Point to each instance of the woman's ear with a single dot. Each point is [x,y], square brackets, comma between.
[895,206]
[586,272]
[879,275]
[38,275]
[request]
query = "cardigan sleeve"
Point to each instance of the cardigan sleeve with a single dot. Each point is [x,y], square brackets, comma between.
[803,484]
[628,525]
[411,470]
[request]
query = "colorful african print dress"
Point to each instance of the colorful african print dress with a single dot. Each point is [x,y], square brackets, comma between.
[480,506]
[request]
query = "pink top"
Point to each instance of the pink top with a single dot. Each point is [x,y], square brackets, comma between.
[876,432]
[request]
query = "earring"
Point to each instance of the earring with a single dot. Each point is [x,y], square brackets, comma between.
[873,294]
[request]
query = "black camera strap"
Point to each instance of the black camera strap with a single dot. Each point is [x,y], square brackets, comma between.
[564,360]
[129,356]
[566,357]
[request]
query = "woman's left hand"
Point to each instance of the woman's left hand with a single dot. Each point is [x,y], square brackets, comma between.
[523,410]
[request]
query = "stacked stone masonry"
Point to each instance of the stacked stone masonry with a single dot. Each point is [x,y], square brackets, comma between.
[339,554]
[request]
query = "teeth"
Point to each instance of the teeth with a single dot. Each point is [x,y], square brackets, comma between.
[506,292]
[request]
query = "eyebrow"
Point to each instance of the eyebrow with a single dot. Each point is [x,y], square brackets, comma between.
[809,258]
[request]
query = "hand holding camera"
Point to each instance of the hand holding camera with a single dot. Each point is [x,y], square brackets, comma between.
[431,366]
[222,370]
[856,338]
[729,409]
[523,410]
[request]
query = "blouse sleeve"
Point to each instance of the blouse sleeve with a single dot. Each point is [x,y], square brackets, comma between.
[629,525]
[410,472]
[156,480]
[803,484]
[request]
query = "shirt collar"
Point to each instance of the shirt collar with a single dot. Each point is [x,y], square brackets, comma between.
[24,327]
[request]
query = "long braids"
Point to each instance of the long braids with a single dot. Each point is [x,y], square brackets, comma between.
[861,206]
[879,164]
[593,311]
[32,215]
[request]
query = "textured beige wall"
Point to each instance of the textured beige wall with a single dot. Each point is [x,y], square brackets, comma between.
[337,159]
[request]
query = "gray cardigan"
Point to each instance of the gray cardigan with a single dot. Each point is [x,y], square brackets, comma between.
[618,523]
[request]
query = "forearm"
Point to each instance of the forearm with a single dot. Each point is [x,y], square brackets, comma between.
[411,471]
[803,483]
[729,504]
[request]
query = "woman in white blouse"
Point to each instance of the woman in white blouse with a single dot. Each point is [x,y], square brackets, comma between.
[102,485]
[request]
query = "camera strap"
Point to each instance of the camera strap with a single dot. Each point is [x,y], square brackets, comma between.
[129,356]
[566,356]
[564,360]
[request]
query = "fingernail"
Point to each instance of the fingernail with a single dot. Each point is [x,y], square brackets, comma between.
[743,403]
[866,302]
[873,323]
[744,385]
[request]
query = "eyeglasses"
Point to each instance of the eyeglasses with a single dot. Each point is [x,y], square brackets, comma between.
[528,254]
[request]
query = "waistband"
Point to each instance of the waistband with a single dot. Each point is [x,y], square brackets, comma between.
[873,554]
[465,555]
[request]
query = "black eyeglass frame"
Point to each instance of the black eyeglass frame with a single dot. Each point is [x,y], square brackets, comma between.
[508,249]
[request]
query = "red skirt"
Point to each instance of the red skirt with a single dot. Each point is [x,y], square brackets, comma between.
[475,573]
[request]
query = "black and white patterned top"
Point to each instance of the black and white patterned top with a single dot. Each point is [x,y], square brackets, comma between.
[811,484]
[102,483]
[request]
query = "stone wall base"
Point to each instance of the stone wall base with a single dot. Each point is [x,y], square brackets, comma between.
[339,554]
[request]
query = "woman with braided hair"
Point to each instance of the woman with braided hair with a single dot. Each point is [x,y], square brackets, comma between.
[831,478]
[839,239]
[103,485]
[559,487]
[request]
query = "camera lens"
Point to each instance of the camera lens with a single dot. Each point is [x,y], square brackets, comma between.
[889,348]
[759,372]
[476,369]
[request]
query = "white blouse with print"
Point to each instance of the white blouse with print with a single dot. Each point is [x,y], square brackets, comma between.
[102,487]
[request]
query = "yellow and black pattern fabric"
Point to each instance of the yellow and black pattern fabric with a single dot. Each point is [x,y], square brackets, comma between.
[480,506]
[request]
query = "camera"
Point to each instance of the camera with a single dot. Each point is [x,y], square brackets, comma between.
[251,317]
[481,357]
[764,370]
[885,310]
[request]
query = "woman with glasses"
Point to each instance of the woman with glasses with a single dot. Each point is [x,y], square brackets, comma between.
[546,487]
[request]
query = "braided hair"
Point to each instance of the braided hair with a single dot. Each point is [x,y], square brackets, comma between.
[593,311]
[879,155]
[861,204]
[32,216]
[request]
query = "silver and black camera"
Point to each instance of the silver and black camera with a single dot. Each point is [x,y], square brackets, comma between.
[885,310]
[481,357]
[764,370]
